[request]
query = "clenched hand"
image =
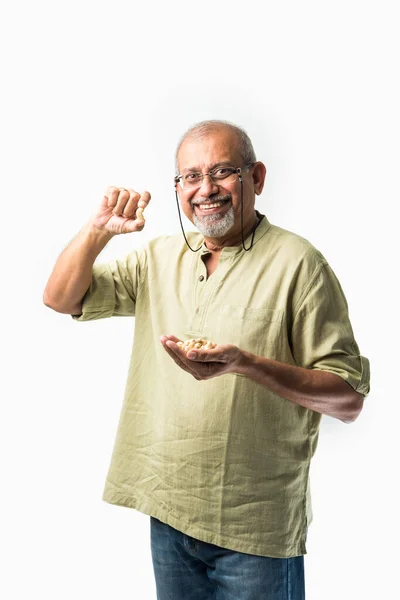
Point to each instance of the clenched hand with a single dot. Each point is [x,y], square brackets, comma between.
[117,212]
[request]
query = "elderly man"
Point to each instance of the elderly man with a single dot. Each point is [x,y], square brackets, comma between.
[215,443]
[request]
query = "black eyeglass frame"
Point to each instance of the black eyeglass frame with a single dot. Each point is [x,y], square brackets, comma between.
[237,170]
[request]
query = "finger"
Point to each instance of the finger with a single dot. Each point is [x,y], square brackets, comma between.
[181,355]
[207,356]
[123,197]
[177,355]
[144,199]
[199,371]
[112,195]
[143,202]
[199,355]
[173,338]
[179,362]
[172,345]
[132,225]
[131,205]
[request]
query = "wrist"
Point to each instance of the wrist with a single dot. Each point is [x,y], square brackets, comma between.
[101,235]
[244,362]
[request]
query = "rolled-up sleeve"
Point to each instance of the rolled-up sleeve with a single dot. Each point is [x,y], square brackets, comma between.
[322,335]
[114,288]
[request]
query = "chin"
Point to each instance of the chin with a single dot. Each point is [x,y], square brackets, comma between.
[215,228]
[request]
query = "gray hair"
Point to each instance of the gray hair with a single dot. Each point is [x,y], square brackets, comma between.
[204,127]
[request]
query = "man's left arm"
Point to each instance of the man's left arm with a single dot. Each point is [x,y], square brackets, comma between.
[317,390]
[328,376]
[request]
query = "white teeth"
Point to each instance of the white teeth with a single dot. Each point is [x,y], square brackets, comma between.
[207,206]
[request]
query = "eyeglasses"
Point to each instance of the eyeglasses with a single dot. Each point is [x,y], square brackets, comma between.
[193,179]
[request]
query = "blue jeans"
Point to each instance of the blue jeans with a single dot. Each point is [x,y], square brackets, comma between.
[188,569]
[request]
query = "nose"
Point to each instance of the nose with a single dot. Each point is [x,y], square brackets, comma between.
[208,187]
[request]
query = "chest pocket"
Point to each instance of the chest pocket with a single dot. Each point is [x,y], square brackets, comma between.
[257,330]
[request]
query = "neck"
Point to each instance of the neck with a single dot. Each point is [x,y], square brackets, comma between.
[217,244]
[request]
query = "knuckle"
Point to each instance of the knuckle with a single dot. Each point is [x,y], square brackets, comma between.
[133,193]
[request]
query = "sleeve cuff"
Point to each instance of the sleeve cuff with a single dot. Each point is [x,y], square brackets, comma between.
[356,375]
[99,300]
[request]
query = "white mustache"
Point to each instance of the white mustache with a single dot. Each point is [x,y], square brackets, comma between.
[211,200]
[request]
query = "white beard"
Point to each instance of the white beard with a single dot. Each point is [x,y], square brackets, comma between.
[215,226]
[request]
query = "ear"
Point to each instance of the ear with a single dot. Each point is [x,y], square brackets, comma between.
[259,174]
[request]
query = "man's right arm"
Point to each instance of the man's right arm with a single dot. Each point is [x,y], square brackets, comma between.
[72,274]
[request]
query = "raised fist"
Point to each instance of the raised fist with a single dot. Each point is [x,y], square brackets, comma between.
[118,211]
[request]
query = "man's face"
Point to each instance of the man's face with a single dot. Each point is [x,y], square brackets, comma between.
[217,148]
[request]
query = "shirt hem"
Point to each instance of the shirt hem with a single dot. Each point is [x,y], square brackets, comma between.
[224,541]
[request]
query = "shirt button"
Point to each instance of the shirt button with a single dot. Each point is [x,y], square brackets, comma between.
[201,277]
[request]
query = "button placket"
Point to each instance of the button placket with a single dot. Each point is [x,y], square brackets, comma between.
[205,291]
[196,317]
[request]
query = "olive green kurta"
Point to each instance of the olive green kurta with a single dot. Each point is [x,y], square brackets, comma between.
[225,460]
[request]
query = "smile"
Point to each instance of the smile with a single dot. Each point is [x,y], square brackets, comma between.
[211,207]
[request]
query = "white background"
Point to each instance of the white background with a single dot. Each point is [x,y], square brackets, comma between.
[95,94]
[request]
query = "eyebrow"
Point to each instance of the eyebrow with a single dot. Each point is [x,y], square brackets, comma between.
[213,166]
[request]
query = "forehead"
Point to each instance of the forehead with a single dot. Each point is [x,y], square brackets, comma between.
[210,148]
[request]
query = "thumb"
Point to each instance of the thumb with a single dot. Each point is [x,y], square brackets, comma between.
[132,225]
